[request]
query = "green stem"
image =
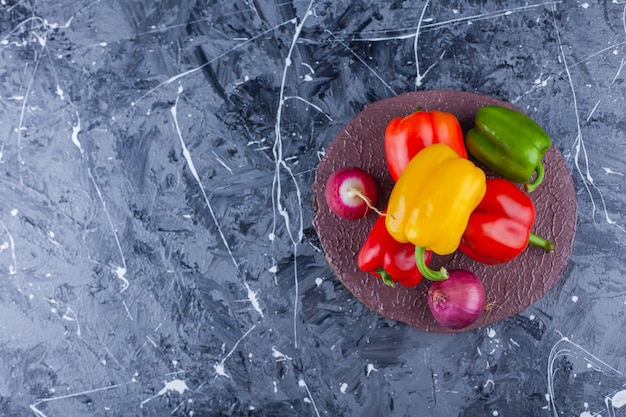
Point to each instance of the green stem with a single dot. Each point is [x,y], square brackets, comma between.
[540,242]
[530,187]
[386,277]
[428,273]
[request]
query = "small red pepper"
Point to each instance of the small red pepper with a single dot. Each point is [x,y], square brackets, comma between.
[406,136]
[499,229]
[392,261]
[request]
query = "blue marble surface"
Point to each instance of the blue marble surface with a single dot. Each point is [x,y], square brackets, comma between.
[156,250]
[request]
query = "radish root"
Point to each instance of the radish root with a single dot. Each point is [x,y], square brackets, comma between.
[355,192]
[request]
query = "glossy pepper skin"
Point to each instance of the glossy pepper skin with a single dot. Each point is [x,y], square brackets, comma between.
[392,261]
[431,202]
[499,229]
[406,136]
[509,143]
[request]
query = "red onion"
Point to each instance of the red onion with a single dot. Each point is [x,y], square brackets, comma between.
[457,301]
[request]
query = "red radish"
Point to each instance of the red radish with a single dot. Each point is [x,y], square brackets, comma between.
[351,193]
[457,301]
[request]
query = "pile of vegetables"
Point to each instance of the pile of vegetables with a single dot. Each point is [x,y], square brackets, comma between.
[443,202]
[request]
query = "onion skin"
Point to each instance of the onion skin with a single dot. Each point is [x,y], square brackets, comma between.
[457,301]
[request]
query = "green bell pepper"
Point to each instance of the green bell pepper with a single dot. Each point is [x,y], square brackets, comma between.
[509,143]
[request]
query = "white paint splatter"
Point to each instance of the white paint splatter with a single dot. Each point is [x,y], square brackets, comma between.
[70,315]
[491,333]
[279,355]
[579,146]
[120,271]
[343,388]
[75,131]
[280,166]
[593,110]
[370,368]
[316,107]
[302,384]
[541,83]
[59,92]
[419,77]
[586,413]
[39,413]
[617,74]
[127,311]
[209,62]
[574,298]
[362,61]
[176,385]
[219,367]
[220,370]
[309,76]
[253,299]
[10,245]
[222,163]
[192,168]
[594,367]
[566,348]
[618,400]
[432,24]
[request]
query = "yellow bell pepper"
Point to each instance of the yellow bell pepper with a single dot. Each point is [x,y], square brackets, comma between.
[431,203]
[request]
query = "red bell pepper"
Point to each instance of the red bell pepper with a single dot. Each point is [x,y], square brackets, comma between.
[384,257]
[406,136]
[499,229]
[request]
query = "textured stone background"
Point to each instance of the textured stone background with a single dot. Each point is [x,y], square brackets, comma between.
[156,250]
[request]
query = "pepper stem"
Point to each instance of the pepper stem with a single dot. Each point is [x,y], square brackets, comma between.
[540,174]
[540,242]
[386,277]
[428,273]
